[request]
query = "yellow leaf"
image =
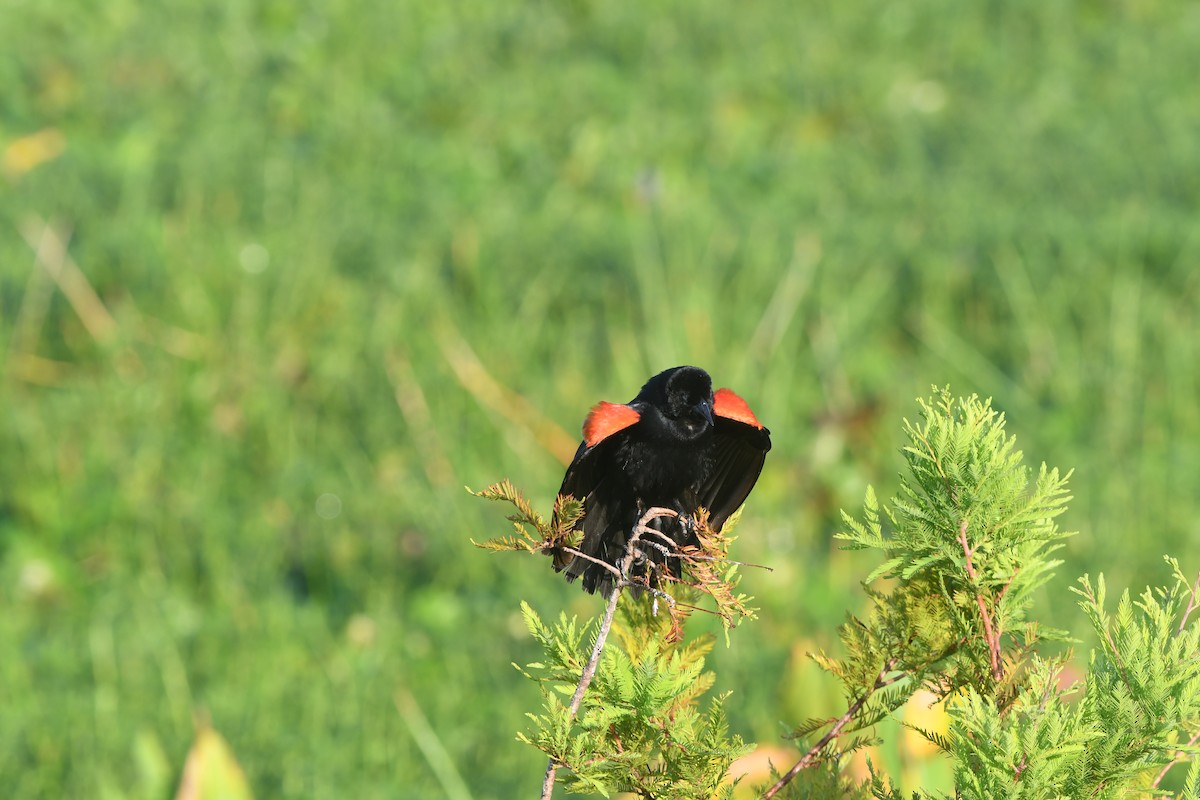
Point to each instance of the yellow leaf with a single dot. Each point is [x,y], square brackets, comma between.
[211,772]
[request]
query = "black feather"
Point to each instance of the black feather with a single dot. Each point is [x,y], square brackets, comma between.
[676,455]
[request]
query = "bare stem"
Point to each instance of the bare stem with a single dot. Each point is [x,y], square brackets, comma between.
[1179,756]
[808,759]
[589,672]
[589,669]
[593,559]
[991,634]
[687,555]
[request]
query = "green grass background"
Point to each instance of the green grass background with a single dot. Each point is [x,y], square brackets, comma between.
[308,220]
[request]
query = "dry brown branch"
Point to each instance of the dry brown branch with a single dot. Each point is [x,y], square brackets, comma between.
[990,632]
[883,680]
[589,669]
[1179,756]
[593,559]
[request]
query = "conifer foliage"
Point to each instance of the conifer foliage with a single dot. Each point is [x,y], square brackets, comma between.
[641,727]
[964,544]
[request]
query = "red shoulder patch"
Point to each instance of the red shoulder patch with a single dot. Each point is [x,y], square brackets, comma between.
[728,405]
[606,419]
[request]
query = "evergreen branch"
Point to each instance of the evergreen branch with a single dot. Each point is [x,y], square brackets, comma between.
[969,540]
[814,752]
[545,537]
[991,635]
[1180,755]
[589,672]
[1104,629]
[589,669]
[932,453]
[506,544]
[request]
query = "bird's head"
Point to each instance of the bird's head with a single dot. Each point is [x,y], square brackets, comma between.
[688,396]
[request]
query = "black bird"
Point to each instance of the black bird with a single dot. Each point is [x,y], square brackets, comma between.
[676,445]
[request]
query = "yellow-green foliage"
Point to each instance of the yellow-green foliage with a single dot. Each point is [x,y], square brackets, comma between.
[641,727]
[966,540]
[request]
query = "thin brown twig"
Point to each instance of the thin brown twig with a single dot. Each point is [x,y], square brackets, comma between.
[671,551]
[624,577]
[809,758]
[1179,756]
[1000,596]
[589,669]
[589,672]
[682,553]
[1005,587]
[990,633]
[718,559]
[593,559]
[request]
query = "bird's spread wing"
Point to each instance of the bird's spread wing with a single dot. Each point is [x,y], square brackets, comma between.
[592,478]
[741,446]
[603,431]
[605,419]
[585,475]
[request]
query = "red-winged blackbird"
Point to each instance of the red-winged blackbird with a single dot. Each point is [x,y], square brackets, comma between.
[676,445]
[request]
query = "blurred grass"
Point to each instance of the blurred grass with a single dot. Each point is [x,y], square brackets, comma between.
[306,221]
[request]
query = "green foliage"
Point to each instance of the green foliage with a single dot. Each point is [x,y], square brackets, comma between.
[828,779]
[544,535]
[1140,703]
[640,728]
[964,470]
[633,722]
[969,539]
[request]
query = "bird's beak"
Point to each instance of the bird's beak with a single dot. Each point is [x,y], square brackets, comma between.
[705,409]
